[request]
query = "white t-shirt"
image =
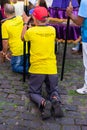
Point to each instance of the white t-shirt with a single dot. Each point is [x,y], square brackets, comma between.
[19,8]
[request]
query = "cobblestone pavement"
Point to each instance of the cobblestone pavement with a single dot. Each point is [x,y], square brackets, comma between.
[17,112]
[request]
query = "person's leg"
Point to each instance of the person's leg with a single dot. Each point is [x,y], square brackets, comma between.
[52,89]
[83,90]
[35,90]
[17,63]
[52,86]
[76,48]
[80,47]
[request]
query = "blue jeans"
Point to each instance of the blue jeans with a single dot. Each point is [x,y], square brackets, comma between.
[17,63]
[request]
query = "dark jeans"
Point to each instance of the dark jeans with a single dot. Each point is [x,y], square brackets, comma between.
[35,86]
[17,63]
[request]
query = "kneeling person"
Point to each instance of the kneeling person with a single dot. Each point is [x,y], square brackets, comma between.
[43,66]
[11,39]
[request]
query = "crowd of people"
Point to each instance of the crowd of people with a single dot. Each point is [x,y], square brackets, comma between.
[17,28]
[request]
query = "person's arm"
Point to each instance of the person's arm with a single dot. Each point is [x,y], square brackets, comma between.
[23,31]
[56,20]
[5,46]
[5,49]
[5,41]
[76,19]
[26,22]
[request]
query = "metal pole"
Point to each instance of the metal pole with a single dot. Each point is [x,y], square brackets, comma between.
[24,45]
[24,64]
[65,47]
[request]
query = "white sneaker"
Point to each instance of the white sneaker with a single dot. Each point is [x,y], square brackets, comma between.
[74,49]
[82,90]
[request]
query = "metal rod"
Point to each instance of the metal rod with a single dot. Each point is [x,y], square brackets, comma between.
[24,65]
[24,46]
[65,47]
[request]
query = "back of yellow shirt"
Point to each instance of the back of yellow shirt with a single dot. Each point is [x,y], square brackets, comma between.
[11,30]
[42,49]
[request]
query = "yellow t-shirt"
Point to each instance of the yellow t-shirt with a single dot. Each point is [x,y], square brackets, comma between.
[42,49]
[11,30]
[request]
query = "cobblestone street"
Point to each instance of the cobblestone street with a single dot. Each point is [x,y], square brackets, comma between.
[17,112]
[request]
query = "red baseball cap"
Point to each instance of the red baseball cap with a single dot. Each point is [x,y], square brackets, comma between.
[40,13]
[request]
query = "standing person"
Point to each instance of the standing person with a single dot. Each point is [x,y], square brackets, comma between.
[38,3]
[78,47]
[11,38]
[43,66]
[81,20]
[32,5]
